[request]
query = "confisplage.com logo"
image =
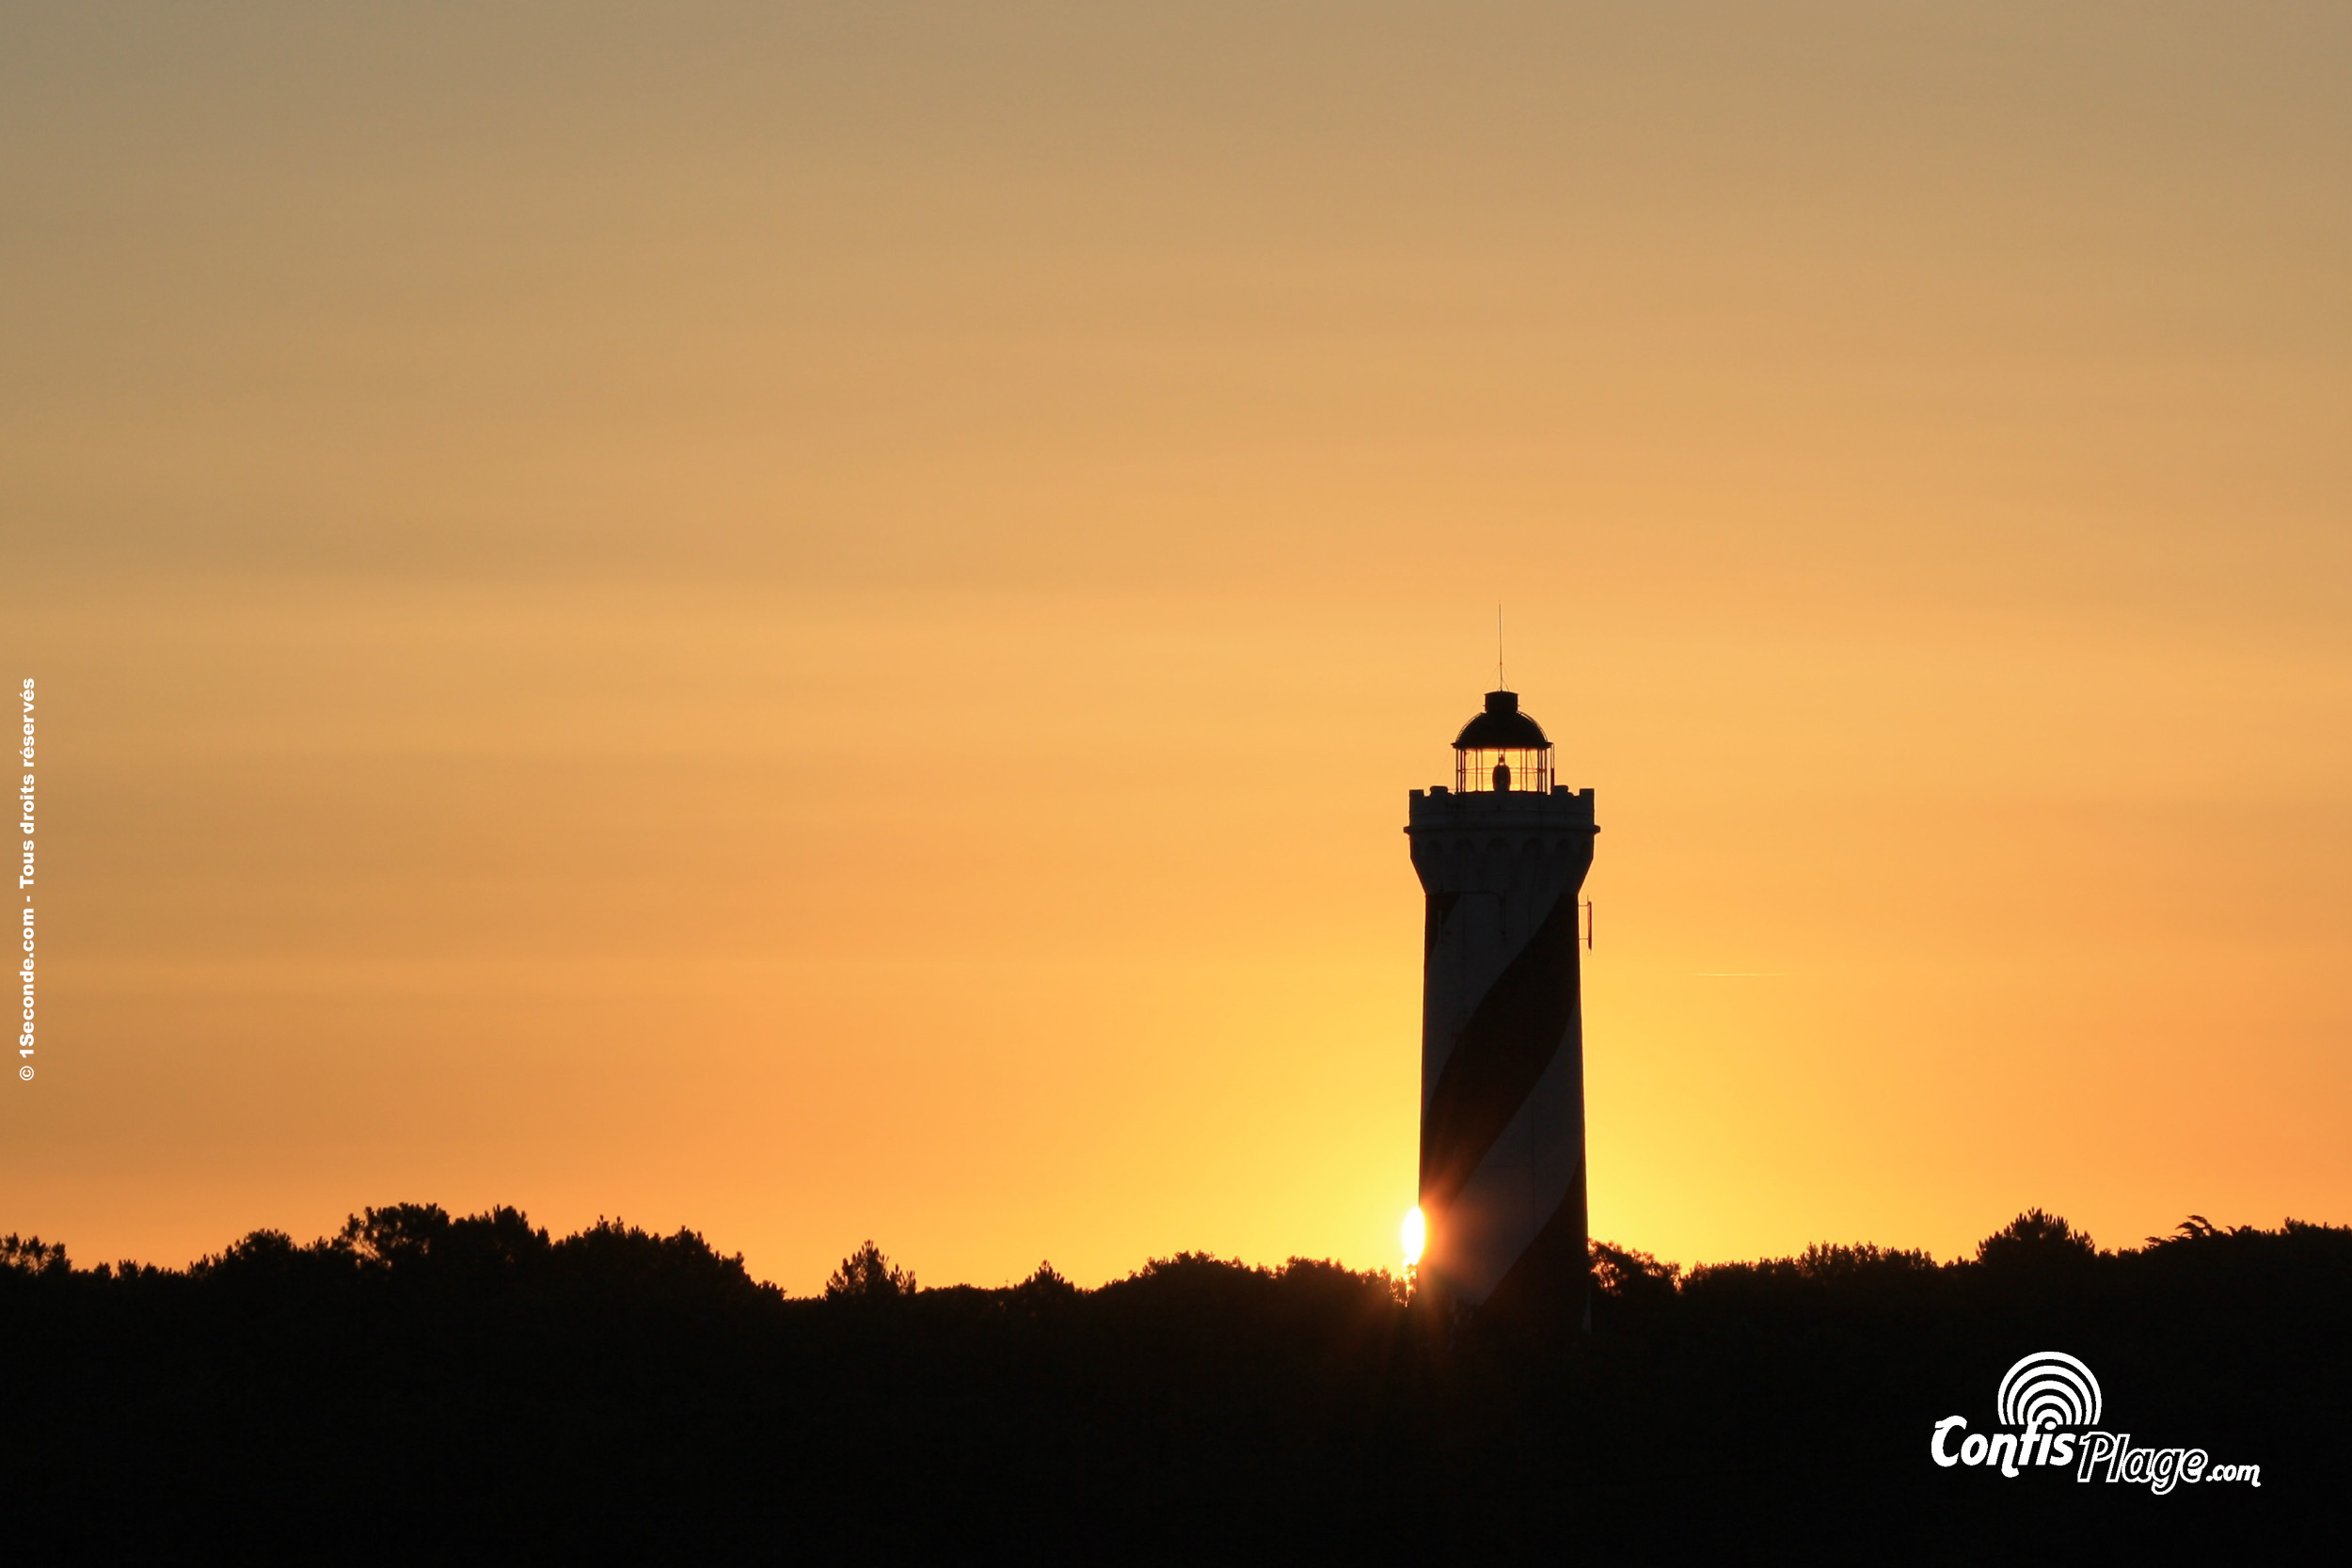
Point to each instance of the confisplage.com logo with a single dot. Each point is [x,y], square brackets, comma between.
[2050,1406]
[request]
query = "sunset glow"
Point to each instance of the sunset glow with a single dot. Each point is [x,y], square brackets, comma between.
[816,625]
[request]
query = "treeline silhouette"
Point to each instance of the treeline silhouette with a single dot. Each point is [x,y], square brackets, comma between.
[425,1384]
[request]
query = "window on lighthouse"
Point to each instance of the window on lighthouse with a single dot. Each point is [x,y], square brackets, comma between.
[1479,770]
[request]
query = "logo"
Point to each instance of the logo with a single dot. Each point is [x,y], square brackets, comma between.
[2049,1388]
[2051,1405]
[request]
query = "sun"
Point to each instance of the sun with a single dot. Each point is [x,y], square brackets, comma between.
[1414,1234]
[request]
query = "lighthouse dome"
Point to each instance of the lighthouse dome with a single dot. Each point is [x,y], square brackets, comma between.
[1501,750]
[1501,727]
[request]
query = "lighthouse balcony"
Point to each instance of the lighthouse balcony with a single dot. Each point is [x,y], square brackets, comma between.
[1557,807]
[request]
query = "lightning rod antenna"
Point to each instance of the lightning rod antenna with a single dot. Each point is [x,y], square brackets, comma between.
[1501,684]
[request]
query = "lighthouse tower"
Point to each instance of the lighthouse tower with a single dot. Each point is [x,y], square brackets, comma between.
[1501,855]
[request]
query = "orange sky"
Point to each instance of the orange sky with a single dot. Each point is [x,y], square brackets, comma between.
[817,625]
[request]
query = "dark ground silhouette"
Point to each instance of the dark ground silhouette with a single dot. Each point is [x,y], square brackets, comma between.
[420,1385]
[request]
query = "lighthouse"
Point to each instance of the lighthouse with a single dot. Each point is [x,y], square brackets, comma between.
[1502,854]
